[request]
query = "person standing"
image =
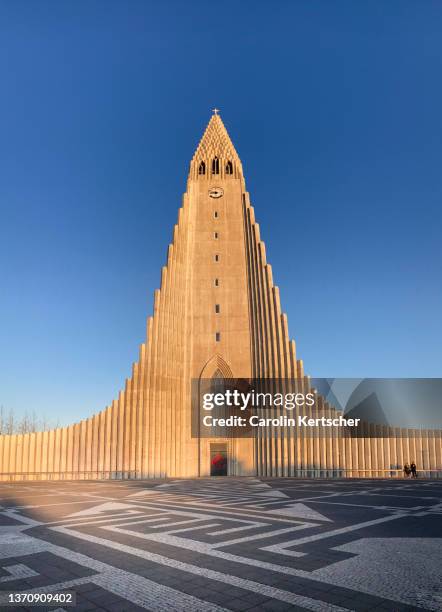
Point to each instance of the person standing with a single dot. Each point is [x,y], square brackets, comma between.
[407,471]
[413,470]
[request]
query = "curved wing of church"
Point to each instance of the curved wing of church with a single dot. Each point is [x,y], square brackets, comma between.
[217,313]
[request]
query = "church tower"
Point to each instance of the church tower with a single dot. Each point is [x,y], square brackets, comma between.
[217,315]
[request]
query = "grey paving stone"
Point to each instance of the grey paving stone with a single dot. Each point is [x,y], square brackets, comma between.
[238,604]
[255,598]
[277,606]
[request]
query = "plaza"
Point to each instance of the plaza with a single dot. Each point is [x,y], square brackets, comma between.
[225,544]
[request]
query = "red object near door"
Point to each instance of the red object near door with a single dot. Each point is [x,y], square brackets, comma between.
[219,465]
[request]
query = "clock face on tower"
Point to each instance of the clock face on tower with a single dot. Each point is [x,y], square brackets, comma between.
[216,192]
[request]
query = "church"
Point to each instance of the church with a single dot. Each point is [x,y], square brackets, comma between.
[217,315]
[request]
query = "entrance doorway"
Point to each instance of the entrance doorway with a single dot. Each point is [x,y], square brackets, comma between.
[218,459]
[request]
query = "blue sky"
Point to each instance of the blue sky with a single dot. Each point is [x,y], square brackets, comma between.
[335,110]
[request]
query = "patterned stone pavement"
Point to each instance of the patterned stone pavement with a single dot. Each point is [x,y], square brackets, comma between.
[224,544]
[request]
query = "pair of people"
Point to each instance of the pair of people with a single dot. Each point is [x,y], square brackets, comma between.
[410,470]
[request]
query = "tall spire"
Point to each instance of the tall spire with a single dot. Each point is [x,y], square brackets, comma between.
[215,143]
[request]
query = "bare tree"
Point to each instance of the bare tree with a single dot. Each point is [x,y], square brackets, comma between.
[10,422]
[28,423]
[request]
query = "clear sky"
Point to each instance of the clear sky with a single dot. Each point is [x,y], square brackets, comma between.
[335,109]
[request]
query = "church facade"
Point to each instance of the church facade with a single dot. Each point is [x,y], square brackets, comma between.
[217,314]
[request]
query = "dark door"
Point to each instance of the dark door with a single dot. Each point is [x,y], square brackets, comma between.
[218,459]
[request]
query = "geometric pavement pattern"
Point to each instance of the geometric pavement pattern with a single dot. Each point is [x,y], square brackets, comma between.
[224,544]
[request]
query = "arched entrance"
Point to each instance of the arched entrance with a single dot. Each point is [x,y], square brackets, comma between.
[214,453]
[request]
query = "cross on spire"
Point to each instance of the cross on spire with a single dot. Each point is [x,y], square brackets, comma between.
[215,111]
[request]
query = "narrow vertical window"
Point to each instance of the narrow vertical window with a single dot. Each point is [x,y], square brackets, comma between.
[229,168]
[215,166]
[215,235]
[216,282]
[215,214]
[216,257]
[217,336]
[217,309]
[202,168]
